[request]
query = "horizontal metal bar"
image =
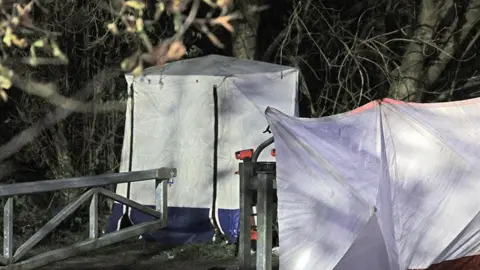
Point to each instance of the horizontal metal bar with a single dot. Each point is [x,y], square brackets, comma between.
[52,224]
[118,198]
[84,246]
[85,182]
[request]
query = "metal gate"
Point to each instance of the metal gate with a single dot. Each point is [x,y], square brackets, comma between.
[12,258]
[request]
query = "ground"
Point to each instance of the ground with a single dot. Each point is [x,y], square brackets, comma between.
[136,255]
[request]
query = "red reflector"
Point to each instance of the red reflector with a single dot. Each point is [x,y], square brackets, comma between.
[253,235]
[243,154]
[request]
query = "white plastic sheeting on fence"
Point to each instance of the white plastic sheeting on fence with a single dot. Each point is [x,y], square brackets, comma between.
[389,186]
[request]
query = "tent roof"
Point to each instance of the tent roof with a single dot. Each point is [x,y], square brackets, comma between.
[375,103]
[215,65]
[405,160]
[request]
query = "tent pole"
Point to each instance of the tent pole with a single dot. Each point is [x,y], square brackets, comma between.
[125,220]
[213,217]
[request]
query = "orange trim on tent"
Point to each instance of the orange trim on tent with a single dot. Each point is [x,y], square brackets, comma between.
[375,103]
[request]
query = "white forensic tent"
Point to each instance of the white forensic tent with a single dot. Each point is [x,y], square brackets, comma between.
[174,114]
[389,186]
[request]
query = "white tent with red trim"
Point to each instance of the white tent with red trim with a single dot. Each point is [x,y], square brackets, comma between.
[389,186]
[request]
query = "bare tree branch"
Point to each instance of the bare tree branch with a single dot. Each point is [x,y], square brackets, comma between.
[472,17]
[407,86]
[28,135]
[49,92]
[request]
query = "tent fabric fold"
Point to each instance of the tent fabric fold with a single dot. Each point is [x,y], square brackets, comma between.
[388,186]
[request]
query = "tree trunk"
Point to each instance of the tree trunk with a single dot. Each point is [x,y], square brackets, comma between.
[245,40]
[407,86]
[414,75]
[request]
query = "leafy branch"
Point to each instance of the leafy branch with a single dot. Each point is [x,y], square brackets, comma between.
[129,21]
[18,31]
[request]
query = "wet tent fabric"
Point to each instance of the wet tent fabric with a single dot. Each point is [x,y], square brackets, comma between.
[174,112]
[389,186]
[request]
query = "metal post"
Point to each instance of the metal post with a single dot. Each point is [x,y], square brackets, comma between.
[264,219]
[93,228]
[244,250]
[8,249]
[161,199]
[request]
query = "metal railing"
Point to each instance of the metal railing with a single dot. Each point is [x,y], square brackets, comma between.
[12,258]
[257,177]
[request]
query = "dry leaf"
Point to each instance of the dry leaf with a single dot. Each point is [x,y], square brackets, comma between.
[139,24]
[224,3]
[137,71]
[5,82]
[176,50]
[15,21]
[7,38]
[177,6]
[23,13]
[138,5]
[159,10]
[3,95]
[21,43]
[39,43]
[223,21]
[112,27]
[57,52]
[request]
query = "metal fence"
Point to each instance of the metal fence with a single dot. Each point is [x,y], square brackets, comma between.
[12,258]
[260,178]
